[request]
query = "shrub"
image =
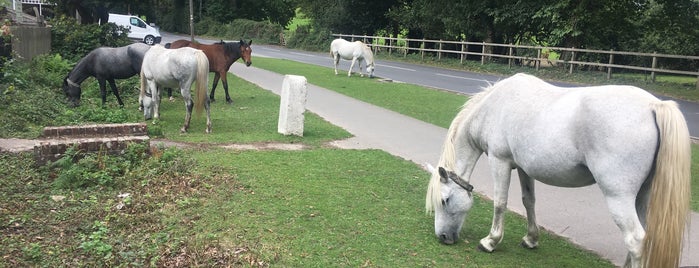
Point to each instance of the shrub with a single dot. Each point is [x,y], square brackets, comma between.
[307,38]
[73,40]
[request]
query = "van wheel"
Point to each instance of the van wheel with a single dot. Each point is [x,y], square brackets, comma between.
[149,40]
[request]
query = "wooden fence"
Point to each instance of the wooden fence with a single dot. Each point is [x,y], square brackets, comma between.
[531,54]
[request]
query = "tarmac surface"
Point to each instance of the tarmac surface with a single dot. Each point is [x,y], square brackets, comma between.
[579,214]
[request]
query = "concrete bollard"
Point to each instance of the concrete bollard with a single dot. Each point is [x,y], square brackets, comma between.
[292,105]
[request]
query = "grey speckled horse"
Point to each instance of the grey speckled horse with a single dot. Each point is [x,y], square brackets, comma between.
[105,64]
[175,68]
[635,147]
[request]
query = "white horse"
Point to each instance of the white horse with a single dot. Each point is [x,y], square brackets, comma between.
[355,51]
[172,68]
[634,146]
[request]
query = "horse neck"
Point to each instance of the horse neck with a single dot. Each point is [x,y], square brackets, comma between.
[232,51]
[461,148]
[368,56]
[81,71]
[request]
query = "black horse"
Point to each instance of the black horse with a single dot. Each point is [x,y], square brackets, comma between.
[105,64]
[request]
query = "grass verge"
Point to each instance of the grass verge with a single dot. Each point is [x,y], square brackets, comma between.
[432,106]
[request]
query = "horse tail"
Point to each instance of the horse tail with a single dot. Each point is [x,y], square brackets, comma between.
[202,80]
[668,209]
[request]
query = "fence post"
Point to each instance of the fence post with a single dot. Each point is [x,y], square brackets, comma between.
[611,61]
[422,50]
[572,59]
[509,61]
[463,49]
[390,44]
[483,54]
[407,47]
[655,62]
[537,63]
[439,53]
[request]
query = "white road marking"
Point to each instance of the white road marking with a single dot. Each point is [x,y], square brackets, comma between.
[394,67]
[461,77]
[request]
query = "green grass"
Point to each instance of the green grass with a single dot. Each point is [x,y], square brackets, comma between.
[253,117]
[432,106]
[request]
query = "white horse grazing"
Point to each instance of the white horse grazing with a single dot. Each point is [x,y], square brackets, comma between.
[175,68]
[355,51]
[634,146]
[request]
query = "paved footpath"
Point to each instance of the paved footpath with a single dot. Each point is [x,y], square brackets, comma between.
[578,214]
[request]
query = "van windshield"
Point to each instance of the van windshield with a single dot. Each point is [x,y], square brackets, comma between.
[137,22]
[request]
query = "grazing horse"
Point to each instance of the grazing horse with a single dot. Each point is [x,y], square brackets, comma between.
[221,56]
[633,145]
[354,51]
[174,68]
[105,64]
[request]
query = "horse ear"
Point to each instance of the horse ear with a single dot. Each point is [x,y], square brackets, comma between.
[443,175]
[250,43]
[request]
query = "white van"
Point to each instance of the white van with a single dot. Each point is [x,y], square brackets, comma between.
[139,29]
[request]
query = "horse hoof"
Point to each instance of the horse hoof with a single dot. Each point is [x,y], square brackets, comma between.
[526,245]
[482,248]
[229,101]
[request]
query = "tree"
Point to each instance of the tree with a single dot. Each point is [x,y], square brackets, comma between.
[348,16]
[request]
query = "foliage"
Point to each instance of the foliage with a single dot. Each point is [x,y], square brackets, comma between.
[308,38]
[73,41]
[259,32]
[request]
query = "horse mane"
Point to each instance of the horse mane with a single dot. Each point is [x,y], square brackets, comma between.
[448,158]
[229,47]
[78,73]
[368,54]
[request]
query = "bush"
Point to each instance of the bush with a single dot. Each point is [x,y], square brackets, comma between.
[259,32]
[307,38]
[73,40]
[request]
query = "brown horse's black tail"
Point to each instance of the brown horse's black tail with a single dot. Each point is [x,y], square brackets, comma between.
[168,45]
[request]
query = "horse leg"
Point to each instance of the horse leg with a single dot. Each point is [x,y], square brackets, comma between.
[156,101]
[189,105]
[224,81]
[112,84]
[169,94]
[354,60]
[501,171]
[336,60]
[361,71]
[623,212]
[217,76]
[103,90]
[207,106]
[531,240]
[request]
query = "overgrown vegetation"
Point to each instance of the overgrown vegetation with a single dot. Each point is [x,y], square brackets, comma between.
[260,32]
[73,40]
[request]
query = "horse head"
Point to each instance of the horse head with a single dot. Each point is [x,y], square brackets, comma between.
[246,52]
[72,91]
[451,200]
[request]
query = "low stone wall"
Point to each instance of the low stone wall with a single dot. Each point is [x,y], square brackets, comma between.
[108,138]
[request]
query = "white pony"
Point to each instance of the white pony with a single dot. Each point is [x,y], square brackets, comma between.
[172,68]
[634,146]
[355,51]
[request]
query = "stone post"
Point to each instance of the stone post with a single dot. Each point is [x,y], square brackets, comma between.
[292,105]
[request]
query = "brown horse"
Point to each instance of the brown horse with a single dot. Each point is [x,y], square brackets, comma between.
[221,56]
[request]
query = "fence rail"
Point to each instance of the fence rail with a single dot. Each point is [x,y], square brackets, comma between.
[527,53]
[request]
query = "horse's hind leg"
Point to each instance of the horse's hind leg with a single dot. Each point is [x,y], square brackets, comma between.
[224,81]
[207,105]
[336,60]
[217,76]
[112,84]
[189,105]
[623,212]
[531,240]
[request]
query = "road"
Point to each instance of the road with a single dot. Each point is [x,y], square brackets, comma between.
[440,78]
